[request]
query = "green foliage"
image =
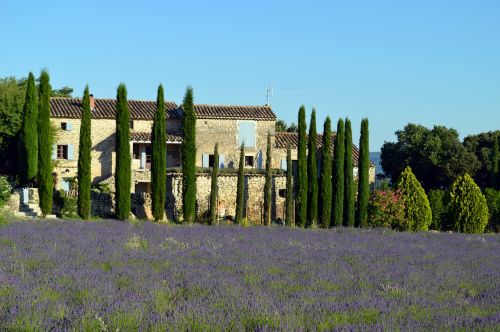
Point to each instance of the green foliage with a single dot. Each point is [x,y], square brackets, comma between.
[437,202]
[418,213]
[436,156]
[326,174]
[467,207]
[189,158]
[338,176]
[214,190]
[289,188]
[68,206]
[312,173]
[240,188]
[159,158]
[28,136]
[123,159]
[386,209]
[302,181]
[363,175]
[45,178]
[482,146]
[493,201]
[5,190]
[84,158]
[495,179]
[348,177]
[64,92]
[268,186]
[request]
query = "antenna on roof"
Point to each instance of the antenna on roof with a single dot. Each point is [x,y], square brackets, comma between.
[269,93]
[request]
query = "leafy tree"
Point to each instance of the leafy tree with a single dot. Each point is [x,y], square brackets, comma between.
[64,92]
[386,209]
[418,213]
[214,189]
[268,186]
[189,158]
[436,155]
[493,201]
[348,177]
[292,128]
[312,173]
[437,203]
[482,146]
[363,175]
[326,174]
[28,152]
[338,176]
[240,188]
[495,180]
[123,159]
[159,158]
[281,126]
[468,207]
[45,178]
[289,188]
[302,176]
[84,158]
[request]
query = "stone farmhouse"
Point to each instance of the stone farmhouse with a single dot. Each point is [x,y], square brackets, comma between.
[229,126]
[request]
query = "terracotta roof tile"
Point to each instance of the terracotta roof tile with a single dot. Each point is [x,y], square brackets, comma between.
[234,112]
[146,137]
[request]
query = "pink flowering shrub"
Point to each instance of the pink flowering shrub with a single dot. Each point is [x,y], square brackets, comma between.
[387,209]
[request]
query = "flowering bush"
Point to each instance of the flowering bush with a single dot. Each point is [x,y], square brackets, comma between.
[386,209]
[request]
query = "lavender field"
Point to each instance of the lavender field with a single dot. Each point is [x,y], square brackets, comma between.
[109,275]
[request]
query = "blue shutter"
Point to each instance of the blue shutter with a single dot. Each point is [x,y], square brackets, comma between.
[65,185]
[246,134]
[143,156]
[25,196]
[221,161]
[204,160]
[283,164]
[71,152]
[54,151]
[69,126]
[259,160]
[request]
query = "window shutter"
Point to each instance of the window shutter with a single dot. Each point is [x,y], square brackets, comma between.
[283,164]
[65,185]
[143,156]
[54,151]
[204,160]
[69,126]
[259,160]
[71,152]
[221,161]
[246,134]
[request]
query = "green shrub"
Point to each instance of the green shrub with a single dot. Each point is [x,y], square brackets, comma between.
[437,202]
[5,190]
[386,209]
[418,211]
[468,209]
[68,207]
[493,201]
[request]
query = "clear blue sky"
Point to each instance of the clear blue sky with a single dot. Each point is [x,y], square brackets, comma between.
[425,61]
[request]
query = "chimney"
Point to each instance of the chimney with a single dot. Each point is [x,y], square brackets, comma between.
[92,102]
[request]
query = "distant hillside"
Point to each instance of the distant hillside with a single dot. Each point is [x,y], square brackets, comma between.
[375,158]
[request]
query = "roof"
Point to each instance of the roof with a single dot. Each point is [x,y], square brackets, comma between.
[230,112]
[283,138]
[106,109]
[146,137]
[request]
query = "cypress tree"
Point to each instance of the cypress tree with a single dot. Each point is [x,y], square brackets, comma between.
[84,158]
[363,176]
[268,186]
[189,158]
[123,159]
[289,188]
[28,152]
[348,177]
[326,174]
[302,176]
[338,176]
[45,178]
[214,190]
[159,158]
[240,189]
[312,173]
[494,165]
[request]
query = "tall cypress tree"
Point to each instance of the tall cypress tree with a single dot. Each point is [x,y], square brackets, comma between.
[45,178]
[268,186]
[312,173]
[240,188]
[84,158]
[289,187]
[302,180]
[28,152]
[348,177]
[189,158]
[214,190]
[338,176]
[326,174]
[363,176]
[494,165]
[159,158]
[123,159]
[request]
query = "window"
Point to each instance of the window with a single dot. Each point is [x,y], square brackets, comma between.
[282,193]
[131,124]
[136,152]
[249,161]
[211,159]
[63,125]
[62,152]
[246,134]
